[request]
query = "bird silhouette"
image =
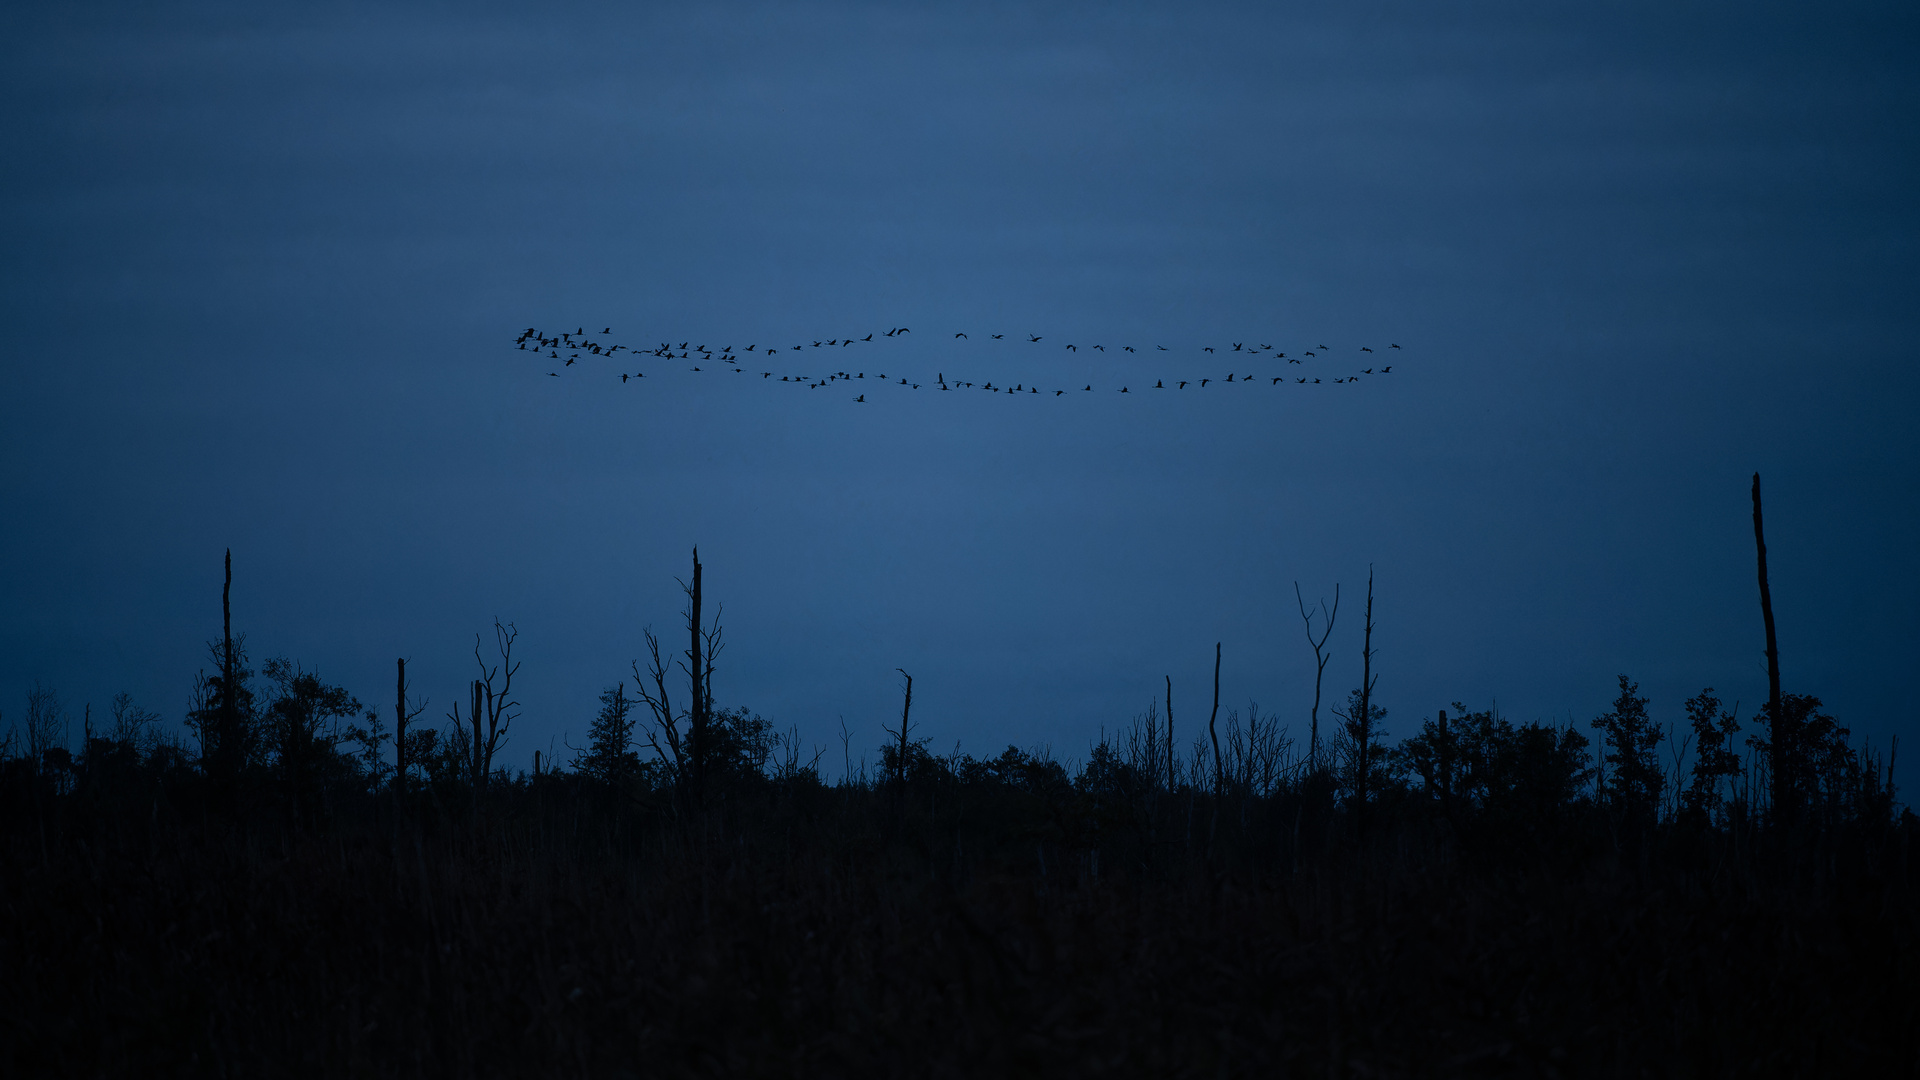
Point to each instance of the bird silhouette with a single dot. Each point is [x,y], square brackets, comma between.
[1182,386]
[577,340]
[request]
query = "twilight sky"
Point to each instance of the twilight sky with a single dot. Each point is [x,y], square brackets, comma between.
[264,267]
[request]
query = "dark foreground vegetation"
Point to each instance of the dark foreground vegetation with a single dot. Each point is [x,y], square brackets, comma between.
[956,916]
[300,892]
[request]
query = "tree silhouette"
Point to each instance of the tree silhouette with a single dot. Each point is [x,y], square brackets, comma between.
[303,730]
[609,757]
[1714,759]
[1629,738]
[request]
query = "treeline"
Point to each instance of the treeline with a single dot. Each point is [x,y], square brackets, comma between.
[283,744]
[307,884]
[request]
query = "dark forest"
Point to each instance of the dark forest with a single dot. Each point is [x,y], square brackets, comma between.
[316,885]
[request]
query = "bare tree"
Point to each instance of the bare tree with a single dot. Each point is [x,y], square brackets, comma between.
[223,708]
[1320,658]
[404,712]
[131,722]
[906,712]
[1367,677]
[491,710]
[1218,776]
[697,711]
[1171,764]
[1781,751]
[688,752]
[46,723]
[666,726]
[1366,733]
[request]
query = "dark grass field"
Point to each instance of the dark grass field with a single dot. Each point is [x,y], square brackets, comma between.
[784,947]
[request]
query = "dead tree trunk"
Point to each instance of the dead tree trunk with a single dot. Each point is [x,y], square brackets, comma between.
[1320,658]
[1364,751]
[906,709]
[227,747]
[1780,751]
[697,714]
[1211,732]
[475,713]
[400,742]
[1172,777]
[403,715]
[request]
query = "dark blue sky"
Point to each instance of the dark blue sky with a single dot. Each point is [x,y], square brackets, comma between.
[263,268]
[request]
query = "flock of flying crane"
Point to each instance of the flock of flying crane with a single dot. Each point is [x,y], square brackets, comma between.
[580,342]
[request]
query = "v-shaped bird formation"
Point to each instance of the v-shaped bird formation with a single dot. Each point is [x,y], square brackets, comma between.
[1239,364]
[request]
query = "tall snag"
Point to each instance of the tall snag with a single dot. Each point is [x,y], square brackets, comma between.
[1780,751]
[697,713]
[1366,693]
[1320,658]
[1218,772]
[904,744]
[1172,778]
